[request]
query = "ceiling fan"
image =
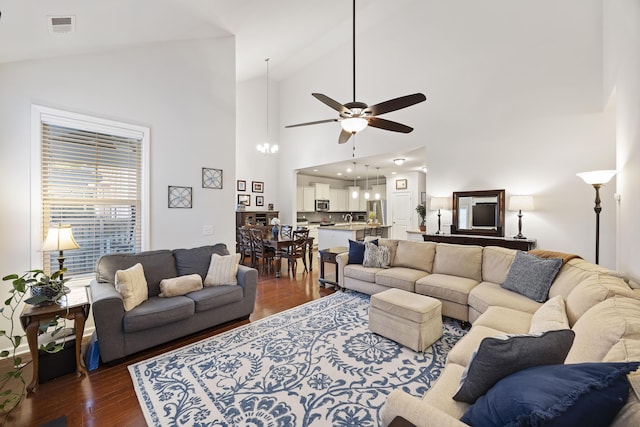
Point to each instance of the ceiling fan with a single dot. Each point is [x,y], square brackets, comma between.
[356,116]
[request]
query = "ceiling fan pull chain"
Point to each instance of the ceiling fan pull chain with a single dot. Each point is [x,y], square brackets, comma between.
[353,146]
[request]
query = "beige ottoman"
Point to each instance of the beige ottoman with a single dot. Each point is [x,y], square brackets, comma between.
[410,319]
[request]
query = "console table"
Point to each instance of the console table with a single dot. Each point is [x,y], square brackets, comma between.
[465,239]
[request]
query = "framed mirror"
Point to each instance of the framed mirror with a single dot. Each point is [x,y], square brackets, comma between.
[478,212]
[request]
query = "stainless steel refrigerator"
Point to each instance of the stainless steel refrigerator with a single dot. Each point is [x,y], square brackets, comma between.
[380,209]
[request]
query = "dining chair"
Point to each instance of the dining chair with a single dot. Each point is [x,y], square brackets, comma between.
[297,250]
[245,245]
[261,251]
[286,231]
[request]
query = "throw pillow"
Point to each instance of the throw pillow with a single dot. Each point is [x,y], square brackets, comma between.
[550,317]
[585,394]
[498,357]
[376,256]
[223,270]
[132,285]
[532,276]
[356,251]
[180,285]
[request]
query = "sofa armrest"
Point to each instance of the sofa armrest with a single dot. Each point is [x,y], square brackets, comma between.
[108,313]
[416,411]
[248,279]
[342,260]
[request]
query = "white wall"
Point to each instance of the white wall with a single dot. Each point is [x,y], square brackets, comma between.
[251,130]
[622,89]
[511,103]
[183,91]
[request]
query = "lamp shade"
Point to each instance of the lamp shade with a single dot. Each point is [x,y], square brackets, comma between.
[60,238]
[520,203]
[597,177]
[354,124]
[439,203]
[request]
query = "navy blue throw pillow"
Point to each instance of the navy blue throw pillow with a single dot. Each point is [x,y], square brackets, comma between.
[356,251]
[584,394]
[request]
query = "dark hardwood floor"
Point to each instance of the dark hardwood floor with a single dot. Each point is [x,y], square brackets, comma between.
[106,398]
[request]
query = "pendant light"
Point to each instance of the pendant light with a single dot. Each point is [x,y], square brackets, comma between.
[266,148]
[354,193]
[377,195]
[366,187]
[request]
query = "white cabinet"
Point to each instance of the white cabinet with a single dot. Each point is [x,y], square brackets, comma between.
[363,201]
[299,199]
[333,200]
[322,191]
[313,232]
[354,204]
[343,200]
[308,199]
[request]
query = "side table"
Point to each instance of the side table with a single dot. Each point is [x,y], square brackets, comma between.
[73,306]
[329,255]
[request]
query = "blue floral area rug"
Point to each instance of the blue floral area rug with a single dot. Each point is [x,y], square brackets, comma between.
[314,365]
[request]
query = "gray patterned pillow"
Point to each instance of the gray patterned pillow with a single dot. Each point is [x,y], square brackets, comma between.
[376,256]
[532,276]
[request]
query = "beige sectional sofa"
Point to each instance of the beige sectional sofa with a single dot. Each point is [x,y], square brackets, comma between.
[602,310]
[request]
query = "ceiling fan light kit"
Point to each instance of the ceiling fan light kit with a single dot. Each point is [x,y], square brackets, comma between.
[398,162]
[356,116]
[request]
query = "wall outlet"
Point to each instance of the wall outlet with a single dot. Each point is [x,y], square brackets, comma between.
[207,230]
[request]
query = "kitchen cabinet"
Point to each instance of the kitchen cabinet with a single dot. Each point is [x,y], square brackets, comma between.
[354,204]
[305,199]
[322,191]
[343,200]
[299,199]
[333,200]
[362,205]
[313,232]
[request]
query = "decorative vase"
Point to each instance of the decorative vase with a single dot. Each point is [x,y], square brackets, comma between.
[423,228]
[274,230]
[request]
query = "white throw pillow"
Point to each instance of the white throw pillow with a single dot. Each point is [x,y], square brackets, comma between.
[222,270]
[181,285]
[551,316]
[132,285]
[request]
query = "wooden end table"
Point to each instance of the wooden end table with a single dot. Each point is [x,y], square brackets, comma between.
[73,306]
[329,255]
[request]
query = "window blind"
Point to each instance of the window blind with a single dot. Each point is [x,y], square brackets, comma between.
[92,180]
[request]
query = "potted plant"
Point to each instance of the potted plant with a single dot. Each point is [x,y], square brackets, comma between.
[372,217]
[422,213]
[43,288]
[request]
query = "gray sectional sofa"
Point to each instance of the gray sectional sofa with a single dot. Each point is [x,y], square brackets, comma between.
[158,320]
[601,309]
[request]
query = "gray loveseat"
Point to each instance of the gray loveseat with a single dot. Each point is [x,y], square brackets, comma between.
[158,320]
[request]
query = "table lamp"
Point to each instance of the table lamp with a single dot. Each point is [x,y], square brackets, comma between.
[520,203]
[597,179]
[439,203]
[60,238]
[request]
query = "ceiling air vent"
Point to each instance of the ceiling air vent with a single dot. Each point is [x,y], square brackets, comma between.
[62,24]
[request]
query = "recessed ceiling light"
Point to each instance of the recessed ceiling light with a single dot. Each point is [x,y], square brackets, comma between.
[348,169]
[398,162]
[358,177]
[339,174]
[394,173]
[315,170]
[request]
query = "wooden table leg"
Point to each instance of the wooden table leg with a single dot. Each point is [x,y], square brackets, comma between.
[278,261]
[32,340]
[81,369]
[311,257]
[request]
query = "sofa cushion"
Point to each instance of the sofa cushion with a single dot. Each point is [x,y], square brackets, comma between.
[156,312]
[392,244]
[416,255]
[558,395]
[464,349]
[446,287]
[180,285]
[532,276]
[132,285]
[376,256]
[496,262]
[357,271]
[399,277]
[223,270]
[458,260]
[498,357]
[157,265]
[216,296]
[439,395]
[487,294]
[550,317]
[197,260]
[603,326]
[504,319]
[356,251]
[591,291]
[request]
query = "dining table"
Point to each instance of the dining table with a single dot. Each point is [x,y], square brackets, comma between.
[280,244]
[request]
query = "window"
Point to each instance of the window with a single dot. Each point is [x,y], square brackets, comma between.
[91,175]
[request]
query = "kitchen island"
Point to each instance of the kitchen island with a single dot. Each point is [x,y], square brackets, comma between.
[339,235]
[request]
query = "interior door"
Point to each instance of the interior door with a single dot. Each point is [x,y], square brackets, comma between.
[401,214]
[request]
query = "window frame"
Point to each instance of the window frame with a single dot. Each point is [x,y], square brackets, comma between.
[40,113]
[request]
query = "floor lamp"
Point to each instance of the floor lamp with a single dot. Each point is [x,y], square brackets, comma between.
[520,203]
[438,203]
[60,238]
[597,179]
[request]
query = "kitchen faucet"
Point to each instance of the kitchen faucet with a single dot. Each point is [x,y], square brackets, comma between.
[349,218]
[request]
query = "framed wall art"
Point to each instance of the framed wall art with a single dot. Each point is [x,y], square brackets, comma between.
[401,184]
[257,186]
[259,200]
[244,199]
[180,197]
[212,178]
[242,185]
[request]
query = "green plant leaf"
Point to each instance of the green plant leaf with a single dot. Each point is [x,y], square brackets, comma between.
[10,277]
[35,300]
[17,340]
[4,353]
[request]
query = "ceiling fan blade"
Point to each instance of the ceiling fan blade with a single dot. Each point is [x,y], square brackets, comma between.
[313,123]
[396,104]
[379,123]
[331,103]
[344,136]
